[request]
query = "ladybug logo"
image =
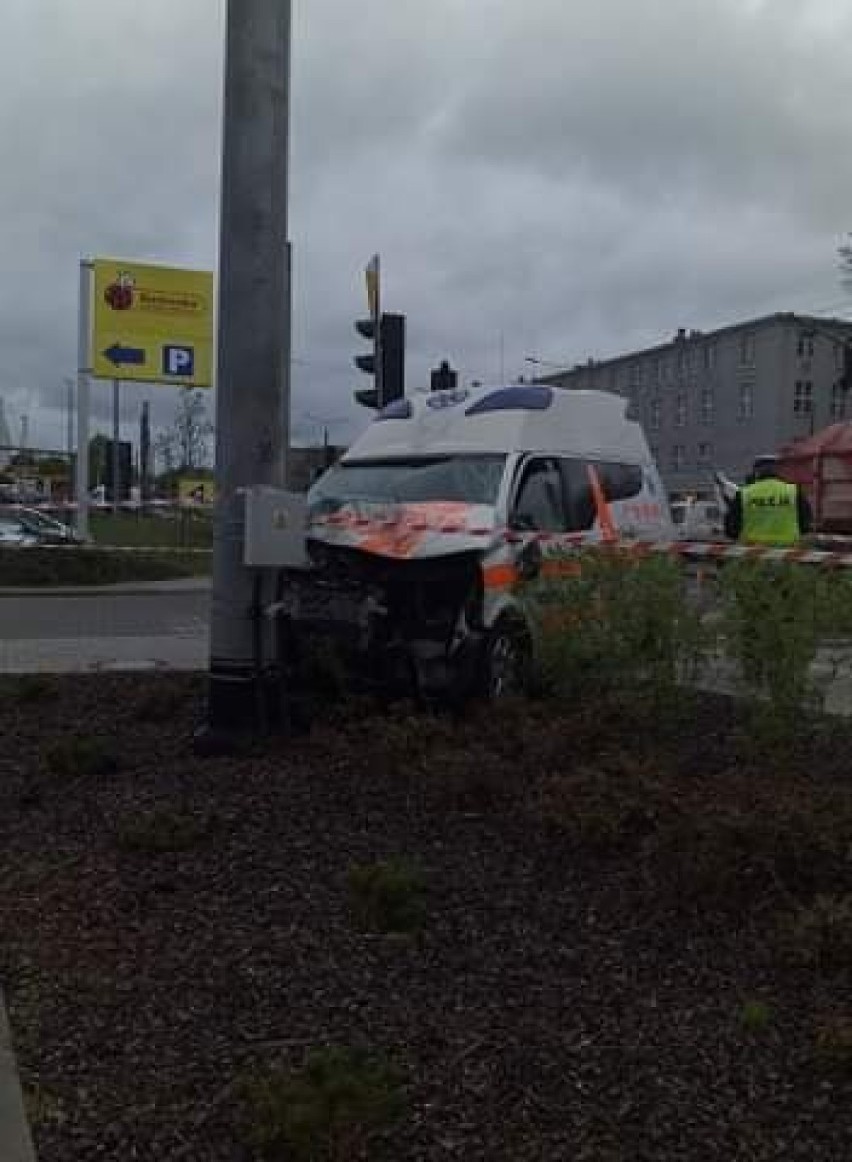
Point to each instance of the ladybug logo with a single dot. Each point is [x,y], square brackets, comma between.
[119,294]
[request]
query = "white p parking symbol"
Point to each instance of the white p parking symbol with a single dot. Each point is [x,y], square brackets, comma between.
[179,362]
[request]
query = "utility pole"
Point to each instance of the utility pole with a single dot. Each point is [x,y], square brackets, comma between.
[253,362]
[69,419]
[144,453]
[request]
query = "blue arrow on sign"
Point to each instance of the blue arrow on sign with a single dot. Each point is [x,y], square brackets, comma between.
[118,355]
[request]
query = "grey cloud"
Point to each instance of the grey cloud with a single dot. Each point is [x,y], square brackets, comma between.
[649,97]
[576,177]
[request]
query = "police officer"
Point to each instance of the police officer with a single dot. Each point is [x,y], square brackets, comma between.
[768,511]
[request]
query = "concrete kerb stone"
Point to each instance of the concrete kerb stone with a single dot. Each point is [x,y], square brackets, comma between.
[172,588]
[16,1144]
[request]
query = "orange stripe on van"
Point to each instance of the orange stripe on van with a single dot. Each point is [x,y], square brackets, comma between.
[499,576]
[602,509]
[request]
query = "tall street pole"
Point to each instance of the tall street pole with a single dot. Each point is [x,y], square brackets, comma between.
[144,454]
[253,362]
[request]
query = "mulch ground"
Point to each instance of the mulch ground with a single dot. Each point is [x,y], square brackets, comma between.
[624,953]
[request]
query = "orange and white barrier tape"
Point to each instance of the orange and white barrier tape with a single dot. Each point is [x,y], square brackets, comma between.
[710,551]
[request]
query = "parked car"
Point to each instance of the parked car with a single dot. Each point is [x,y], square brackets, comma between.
[14,534]
[698,520]
[39,527]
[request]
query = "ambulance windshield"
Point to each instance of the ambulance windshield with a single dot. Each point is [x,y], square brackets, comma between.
[464,478]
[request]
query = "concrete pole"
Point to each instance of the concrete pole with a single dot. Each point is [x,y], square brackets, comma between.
[253,365]
[84,359]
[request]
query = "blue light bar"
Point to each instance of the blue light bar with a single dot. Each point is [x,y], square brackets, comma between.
[532,398]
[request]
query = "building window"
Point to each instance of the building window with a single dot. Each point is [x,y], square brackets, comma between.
[838,356]
[805,346]
[747,349]
[746,408]
[681,361]
[803,398]
[657,370]
[709,356]
[655,453]
[635,376]
[678,457]
[705,453]
[838,401]
[655,415]
[691,360]
[680,411]
[708,405]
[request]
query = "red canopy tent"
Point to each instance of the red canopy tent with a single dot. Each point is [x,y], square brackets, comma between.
[822,465]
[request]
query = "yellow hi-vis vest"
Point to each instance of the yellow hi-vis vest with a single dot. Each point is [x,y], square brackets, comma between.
[770,513]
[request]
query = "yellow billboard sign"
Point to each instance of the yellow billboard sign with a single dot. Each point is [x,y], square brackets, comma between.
[152,323]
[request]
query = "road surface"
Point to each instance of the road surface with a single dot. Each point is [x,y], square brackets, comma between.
[62,632]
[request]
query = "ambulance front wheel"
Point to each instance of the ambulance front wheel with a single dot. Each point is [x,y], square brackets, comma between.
[506,661]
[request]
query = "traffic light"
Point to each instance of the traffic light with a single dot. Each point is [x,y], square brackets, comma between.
[386,362]
[369,364]
[443,378]
[393,358]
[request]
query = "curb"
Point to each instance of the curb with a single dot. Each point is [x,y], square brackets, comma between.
[16,1144]
[118,590]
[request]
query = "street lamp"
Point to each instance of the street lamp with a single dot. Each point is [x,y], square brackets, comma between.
[534,359]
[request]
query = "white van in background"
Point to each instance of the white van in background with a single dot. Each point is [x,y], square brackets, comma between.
[698,520]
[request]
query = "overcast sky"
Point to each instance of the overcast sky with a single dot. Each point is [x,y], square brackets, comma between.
[552,178]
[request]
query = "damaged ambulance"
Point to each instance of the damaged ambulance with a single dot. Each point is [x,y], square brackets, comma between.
[421,539]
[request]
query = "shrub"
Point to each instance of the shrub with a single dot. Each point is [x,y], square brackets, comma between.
[42,1106]
[755,1016]
[387,897]
[162,832]
[327,1109]
[821,933]
[774,617]
[618,621]
[833,1044]
[80,758]
[91,566]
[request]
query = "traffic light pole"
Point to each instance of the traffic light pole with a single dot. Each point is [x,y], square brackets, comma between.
[253,360]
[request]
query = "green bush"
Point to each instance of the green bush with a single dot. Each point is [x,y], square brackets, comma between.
[387,897]
[619,622]
[81,758]
[755,1016]
[774,618]
[327,1109]
[833,1044]
[90,566]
